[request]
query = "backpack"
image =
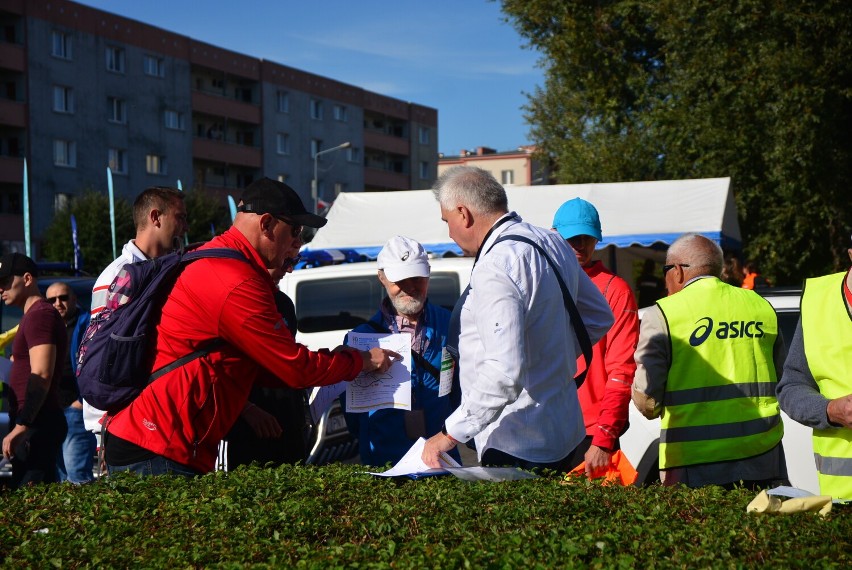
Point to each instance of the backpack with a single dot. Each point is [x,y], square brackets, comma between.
[116,354]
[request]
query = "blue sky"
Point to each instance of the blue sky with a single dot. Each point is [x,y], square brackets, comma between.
[456,56]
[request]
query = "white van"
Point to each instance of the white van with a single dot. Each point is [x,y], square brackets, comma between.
[332,300]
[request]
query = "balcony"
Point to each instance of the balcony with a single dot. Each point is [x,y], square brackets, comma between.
[12,227]
[11,170]
[386,143]
[385,179]
[13,114]
[12,57]
[226,153]
[223,107]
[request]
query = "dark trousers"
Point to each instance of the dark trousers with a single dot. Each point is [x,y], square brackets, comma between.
[35,459]
[496,458]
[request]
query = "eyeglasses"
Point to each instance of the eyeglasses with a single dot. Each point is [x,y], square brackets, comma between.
[666,268]
[63,298]
[295,229]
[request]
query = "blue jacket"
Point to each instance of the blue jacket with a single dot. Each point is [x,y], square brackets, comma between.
[77,336]
[381,433]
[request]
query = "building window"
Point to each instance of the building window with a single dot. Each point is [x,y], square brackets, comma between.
[63,99]
[116,110]
[424,135]
[353,154]
[65,153]
[155,164]
[424,170]
[155,66]
[316,109]
[507,176]
[338,188]
[283,102]
[340,113]
[316,146]
[282,143]
[117,160]
[175,120]
[61,45]
[115,59]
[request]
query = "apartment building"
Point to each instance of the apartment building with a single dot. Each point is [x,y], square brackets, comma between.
[82,90]
[518,167]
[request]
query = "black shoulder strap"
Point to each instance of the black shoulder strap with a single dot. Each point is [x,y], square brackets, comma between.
[218,252]
[419,360]
[576,320]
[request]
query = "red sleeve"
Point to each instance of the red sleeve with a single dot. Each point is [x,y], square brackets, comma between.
[250,321]
[620,366]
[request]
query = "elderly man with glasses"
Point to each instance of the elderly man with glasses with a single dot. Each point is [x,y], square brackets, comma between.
[707,364]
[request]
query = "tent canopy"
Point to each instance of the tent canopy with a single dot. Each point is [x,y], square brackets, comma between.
[632,214]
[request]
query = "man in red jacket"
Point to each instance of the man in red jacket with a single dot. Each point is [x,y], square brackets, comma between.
[176,423]
[605,395]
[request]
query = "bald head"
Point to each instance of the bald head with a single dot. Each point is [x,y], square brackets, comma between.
[691,255]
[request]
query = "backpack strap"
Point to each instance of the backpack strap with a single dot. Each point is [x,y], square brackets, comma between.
[220,253]
[570,306]
[419,359]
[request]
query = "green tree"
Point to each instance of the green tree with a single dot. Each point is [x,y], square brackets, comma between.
[758,90]
[91,211]
[205,211]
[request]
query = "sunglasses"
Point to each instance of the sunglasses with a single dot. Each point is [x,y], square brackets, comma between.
[63,298]
[295,229]
[666,268]
[291,262]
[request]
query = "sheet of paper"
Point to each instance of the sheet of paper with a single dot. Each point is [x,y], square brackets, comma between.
[323,397]
[379,390]
[447,368]
[412,463]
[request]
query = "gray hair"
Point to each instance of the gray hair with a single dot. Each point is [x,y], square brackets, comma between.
[697,250]
[472,187]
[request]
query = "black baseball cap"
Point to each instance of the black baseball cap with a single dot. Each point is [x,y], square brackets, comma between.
[267,196]
[17,264]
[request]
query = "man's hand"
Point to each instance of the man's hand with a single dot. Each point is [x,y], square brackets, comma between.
[263,424]
[597,459]
[435,446]
[14,439]
[379,359]
[839,411]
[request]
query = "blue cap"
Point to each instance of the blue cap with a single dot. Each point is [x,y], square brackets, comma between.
[577,218]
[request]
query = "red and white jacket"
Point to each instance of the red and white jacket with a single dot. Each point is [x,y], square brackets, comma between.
[184,414]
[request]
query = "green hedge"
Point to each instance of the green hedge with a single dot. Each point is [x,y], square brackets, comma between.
[335,516]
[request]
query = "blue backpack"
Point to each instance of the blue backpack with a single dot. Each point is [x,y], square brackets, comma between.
[116,354]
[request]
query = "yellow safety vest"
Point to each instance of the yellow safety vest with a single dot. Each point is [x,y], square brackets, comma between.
[719,403]
[827,336]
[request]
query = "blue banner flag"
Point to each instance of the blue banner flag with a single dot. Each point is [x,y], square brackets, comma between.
[111,211]
[78,255]
[233,206]
[26,213]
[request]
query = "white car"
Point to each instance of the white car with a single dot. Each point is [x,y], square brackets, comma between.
[641,442]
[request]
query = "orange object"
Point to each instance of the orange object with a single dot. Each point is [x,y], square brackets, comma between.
[619,471]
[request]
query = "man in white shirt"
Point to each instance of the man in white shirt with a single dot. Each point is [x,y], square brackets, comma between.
[517,347]
[159,214]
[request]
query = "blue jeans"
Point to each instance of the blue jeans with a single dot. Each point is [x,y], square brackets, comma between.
[78,450]
[158,465]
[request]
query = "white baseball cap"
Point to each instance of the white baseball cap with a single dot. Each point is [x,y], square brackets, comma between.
[402,258]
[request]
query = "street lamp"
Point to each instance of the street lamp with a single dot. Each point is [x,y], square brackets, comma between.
[315,183]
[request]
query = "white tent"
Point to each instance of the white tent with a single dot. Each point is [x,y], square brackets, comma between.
[632,214]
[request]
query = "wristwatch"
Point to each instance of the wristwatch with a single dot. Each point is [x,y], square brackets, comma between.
[451,438]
